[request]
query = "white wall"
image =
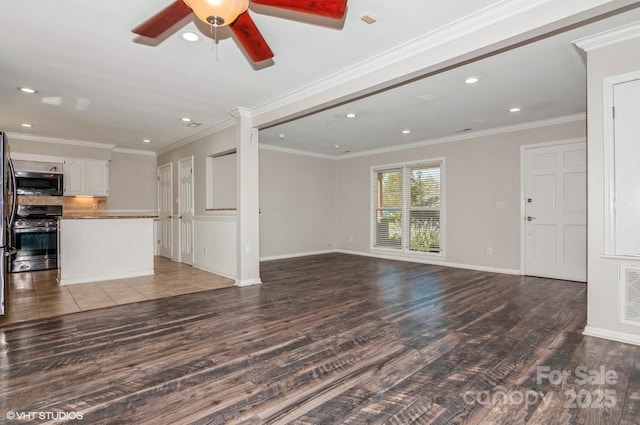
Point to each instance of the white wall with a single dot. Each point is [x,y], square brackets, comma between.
[297,204]
[221,141]
[603,309]
[214,232]
[133,184]
[214,243]
[311,204]
[478,173]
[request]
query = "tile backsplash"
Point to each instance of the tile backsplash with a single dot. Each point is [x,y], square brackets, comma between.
[71,205]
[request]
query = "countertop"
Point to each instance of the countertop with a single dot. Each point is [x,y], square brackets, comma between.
[103,217]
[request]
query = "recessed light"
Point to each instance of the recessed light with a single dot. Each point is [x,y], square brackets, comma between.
[185,119]
[351,115]
[471,80]
[26,125]
[190,36]
[146,140]
[406,131]
[27,90]
[514,110]
[336,146]
[281,136]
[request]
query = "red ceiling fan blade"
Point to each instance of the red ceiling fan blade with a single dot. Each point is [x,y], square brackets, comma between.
[329,8]
[163,20]
[248,35]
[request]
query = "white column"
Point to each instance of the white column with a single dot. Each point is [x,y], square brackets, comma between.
[248,220]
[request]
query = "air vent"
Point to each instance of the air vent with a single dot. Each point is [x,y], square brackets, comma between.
[630,295]
[368,19]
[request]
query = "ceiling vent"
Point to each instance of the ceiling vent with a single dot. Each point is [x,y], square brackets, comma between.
[368,19]
[630,295]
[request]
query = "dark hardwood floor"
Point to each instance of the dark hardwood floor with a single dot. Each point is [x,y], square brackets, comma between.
[329,339]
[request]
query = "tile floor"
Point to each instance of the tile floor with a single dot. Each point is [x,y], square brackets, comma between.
[35,295]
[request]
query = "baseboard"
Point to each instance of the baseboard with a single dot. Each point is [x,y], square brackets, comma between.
[433,262]
[210,270]
[296,255]
[612,335]
[75,281]
[248,282]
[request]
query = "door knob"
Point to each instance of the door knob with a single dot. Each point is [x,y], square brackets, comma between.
[180,218]
[530,218]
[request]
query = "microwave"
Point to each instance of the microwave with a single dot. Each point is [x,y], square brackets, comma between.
[39,183]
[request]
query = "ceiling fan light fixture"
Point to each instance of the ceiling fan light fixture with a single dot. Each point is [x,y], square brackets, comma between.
[218,13]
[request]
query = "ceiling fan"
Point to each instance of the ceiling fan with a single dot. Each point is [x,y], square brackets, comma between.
[235,14]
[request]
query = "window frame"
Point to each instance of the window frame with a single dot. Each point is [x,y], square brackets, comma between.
[406,208]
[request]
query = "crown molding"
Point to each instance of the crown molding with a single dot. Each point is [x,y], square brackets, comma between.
[43,139]
[134,151]
[295,151]
[197,136]
[448,139]
[610,37]
[490,15]
[240,112]
[474,135]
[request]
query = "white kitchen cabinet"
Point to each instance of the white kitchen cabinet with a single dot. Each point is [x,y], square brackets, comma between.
[73,176]
[86,177]
[96,174]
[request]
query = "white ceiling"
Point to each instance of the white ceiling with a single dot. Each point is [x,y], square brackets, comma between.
[98,82]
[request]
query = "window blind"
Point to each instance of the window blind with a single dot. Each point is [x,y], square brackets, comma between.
[407,205]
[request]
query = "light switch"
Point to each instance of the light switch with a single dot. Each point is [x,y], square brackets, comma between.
[501,205]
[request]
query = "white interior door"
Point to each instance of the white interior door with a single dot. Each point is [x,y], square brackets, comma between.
[185,213]
[555,191]
[165,209]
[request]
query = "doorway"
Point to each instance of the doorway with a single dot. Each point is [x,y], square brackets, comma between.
[554,219]
[165,210]
[185,209]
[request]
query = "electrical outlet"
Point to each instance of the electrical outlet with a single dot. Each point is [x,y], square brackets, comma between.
[95,206]
[489,251]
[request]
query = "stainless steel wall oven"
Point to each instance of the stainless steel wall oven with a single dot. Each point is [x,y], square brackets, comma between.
[35,237]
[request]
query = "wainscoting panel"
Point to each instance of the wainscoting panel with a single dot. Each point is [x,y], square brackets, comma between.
[214,243]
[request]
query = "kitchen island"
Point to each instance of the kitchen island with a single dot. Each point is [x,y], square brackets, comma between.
[98,248]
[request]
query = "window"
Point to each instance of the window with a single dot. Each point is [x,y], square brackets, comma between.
[408,206]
